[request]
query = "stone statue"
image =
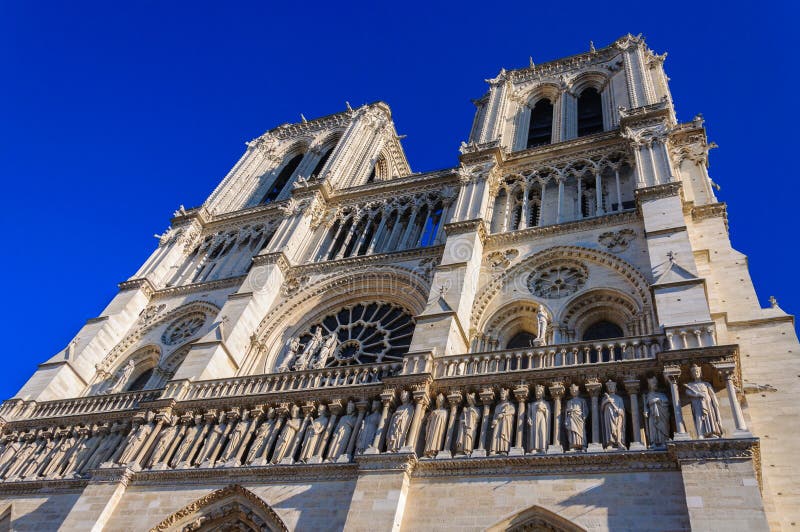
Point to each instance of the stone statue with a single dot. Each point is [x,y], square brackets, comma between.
[369,426]
[134,441]
[612,414]
[122,378]
[292,347]
[81,452]
[236,436]
[290,429]
[656,414]
[400,423]
[213,439]
[541,325]
[502,425]
[37,464]
[326,352]
[302,362]
[314,434]
[539,422]
[344,430]
[107,444]
[705,408]
[575,415]
[257,449]
[188,439]
[164,440]
[437,426]
[468,423]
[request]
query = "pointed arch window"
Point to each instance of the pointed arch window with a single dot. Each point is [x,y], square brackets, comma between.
[321,163]
[590,112]
[283,178]
[141,381]
[540,131]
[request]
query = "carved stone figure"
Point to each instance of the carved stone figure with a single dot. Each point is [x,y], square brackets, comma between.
[369,426]
[705,408]
[236,436]
[656,414]
[53,468]
[502,425]
[539,422]
[612,410]
[437,426]
[122,378]
[188,439]
[164,440]
[107,444]
[575,415]
[292,347]
[344,430]
[541,325]
[286,439]
[314,434]
[9,452]
[468,424]
[400,423]
[257,449]
[303,361]
[213,438]
[18,463]
[326,352]
[39,462]
[134,441]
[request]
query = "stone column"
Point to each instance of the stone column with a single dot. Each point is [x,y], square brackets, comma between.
[387,398]
[727,371]
[598,190]
[521,394]
[361,406]
[454,398]
[523,215]
[556,392]
[671,374]
[560,206]
[593,386]
[619,190]
[421,399]
[487,396]
[632,387]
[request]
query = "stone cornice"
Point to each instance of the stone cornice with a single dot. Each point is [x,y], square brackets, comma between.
[199,287]
[393,257]
[656,192]
[401,186]
[568,148]
[282,473]
[467,226]
[138,284]
[277,257]
[497,240]
[710,210]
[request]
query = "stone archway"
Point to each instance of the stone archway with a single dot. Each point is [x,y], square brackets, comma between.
[230,508]
[535,519]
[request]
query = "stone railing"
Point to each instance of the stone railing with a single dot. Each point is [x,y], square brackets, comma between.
[550,356]
[289,381]
[19,409]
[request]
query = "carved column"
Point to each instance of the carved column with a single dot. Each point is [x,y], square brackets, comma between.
[361,406]
[598,184]
[421,399]
[387,398]
[671,374]
[727,371]
[487,396]
[523,215]
[560,206]
[632,387]
[556,392]
[335,408]
[593,386]
[521,394]
[454,398]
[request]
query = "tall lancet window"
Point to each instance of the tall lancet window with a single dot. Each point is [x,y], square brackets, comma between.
[590,112]
[540,131]
[321,163]
[283,177]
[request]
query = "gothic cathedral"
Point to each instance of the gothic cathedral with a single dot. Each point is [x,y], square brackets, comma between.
[554,335]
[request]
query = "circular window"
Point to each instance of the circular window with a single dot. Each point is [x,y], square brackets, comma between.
[365,333]
[560,280]
[183,328]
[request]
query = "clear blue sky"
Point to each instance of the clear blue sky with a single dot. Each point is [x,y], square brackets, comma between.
[114,113]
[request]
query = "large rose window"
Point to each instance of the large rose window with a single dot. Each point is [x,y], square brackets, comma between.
[359,334]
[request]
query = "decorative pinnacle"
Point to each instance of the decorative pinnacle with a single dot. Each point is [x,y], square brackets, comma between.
[773,301]
[591,47]
[347,104]
[303,118]
[530,59]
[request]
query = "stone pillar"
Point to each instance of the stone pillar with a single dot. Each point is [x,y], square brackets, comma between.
[421,401]
[632,387]
[727,371]
[361,406]
[598,184]
[487,396]
[671,374]
[593,386]
[556,392]
[521,394]
[454,398]
[380,494]
[93,510]
[560,206]
[387,398]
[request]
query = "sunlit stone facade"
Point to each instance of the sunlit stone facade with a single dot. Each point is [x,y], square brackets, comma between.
[555,335]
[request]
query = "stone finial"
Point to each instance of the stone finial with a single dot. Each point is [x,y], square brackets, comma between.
[773,302]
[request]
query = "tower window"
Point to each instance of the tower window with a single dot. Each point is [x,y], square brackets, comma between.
[321,163]
[590,112]
[602,330]
[283,177]
[540,131]
[141,381]
[521,340]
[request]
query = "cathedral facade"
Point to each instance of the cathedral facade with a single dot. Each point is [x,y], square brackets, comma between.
[554,335]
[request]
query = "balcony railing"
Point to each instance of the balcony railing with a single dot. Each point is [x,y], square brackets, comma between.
[550,356]
[290,381]
[77,406]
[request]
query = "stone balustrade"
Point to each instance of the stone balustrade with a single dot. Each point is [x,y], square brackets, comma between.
[550,356]
[19,409]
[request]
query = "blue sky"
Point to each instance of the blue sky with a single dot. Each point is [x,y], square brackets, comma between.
[114,113]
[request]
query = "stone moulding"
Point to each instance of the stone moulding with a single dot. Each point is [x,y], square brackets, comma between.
[711,210]
[609,220]
[382,258]
[667,190]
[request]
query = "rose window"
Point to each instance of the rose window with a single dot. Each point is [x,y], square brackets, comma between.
[183,328]
[558,281]
[365,333]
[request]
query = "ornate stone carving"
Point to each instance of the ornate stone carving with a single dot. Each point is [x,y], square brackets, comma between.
[501,259]
[705,408]
[183,328]
[616,241]
[558,280]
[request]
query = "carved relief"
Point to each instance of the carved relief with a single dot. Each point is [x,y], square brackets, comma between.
[558,280]
[501,259]
[183,328]
[616,241]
